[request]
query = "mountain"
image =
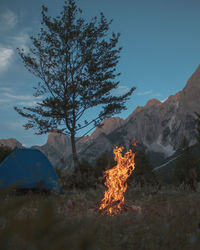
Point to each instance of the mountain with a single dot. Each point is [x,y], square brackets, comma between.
[11,143]
[158,126]
[57,147]
[109,125]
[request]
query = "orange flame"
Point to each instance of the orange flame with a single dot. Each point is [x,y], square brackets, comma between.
[116,177]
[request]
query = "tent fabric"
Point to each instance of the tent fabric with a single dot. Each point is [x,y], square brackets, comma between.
[28,168]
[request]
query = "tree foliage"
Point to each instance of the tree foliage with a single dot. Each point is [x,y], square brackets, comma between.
[103,162]
[76,66]
[187,169]
[143,173]
[198,126]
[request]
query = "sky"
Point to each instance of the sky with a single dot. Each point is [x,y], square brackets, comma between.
[161,50]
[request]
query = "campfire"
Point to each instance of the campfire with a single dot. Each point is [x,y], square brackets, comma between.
[113,201]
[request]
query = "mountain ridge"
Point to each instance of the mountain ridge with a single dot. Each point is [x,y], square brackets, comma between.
[158,126]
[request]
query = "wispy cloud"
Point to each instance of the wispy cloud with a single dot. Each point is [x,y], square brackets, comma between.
[6,55]
[121,90]
[28,104]
[21,97]
[4,100]
[8,20]
[15,124]
[17,97]
[6,89]
[9,99]
[10,41]
[20,40]
[8,49]
[148,92]
[158,95]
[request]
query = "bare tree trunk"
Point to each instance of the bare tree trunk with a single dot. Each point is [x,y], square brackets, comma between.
[75,158]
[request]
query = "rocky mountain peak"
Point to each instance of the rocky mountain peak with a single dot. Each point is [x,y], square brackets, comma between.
[191,93]
[173,98]
[110,124]
[152,102]
[11,143]
[194,81]
[55,137]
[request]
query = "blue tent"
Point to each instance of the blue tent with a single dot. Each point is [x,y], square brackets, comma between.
[29,169]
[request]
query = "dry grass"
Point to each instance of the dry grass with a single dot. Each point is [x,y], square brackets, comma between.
[170,219]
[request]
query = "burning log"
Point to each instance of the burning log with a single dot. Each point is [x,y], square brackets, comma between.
[109,206]
[114,201]
[94,209]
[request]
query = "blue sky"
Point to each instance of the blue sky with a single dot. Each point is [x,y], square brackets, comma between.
[161,49]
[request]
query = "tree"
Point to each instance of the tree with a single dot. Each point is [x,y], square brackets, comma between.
[103,162]
[197,126]
[187,167]
[76,66]
[142,173]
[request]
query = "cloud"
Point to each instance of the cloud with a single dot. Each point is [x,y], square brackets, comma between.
[21,97]
[29,104]
[148,92]
[8,98]
[8,20]
[158,95]
[4,100]
[120,90]
[20,41]
[15,124]
[18,97]
[6,89]
[6,55]
[8,50]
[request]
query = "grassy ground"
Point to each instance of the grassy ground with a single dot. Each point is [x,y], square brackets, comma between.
[170,219]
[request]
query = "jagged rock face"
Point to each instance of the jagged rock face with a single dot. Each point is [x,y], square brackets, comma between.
[160,126]
[152,125]
[109,125]
[11,143]
[57,148]
[95,148]
[190,94]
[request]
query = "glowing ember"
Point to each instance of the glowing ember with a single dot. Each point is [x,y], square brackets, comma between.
[113,201]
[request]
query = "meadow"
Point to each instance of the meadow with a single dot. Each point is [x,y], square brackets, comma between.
[170,219]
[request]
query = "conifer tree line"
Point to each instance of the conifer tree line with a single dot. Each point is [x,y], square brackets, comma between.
[75,62]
